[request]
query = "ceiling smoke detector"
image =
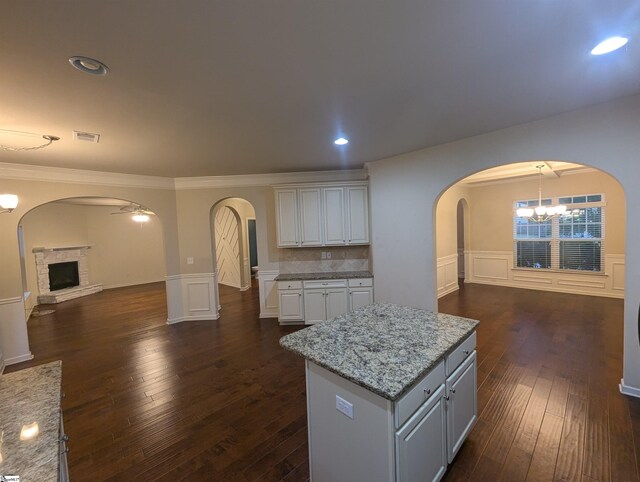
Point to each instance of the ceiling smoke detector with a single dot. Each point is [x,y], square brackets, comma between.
[89,65]
[86,137]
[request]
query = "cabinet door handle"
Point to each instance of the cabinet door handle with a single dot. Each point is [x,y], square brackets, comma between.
[299,294]
[427,391]
[447,397]
[466,352]
[453,390]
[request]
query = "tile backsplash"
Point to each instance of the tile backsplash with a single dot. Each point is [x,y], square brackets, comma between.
[309,260]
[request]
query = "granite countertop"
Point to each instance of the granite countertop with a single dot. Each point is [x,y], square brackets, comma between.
[28,396]
[326,275]
[384,348]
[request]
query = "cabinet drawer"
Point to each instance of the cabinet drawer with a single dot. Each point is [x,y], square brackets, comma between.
[326,283]
[289,285]
[354,283]
[457,356]
[417,395]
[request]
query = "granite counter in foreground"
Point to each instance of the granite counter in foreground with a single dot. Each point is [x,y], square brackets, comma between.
[31,396]
[323,275]
[382,347]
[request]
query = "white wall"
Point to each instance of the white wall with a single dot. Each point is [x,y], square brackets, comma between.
[603,136]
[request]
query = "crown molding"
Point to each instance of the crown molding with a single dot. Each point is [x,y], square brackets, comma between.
[25,172]
[248,180]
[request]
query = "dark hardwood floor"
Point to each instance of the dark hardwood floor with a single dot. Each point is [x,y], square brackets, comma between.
[220,400]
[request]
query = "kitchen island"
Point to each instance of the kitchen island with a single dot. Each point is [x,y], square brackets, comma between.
[32,440]
[391,392]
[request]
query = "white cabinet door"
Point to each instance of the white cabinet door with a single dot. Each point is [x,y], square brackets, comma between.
[291,306]
[359,297]
[314,306]
[462,406]
[287,217]
[421,453]
[310,217]
[357,215]
[334,216]
[336,302]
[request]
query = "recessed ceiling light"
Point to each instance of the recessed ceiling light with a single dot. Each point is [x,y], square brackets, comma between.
[88,65]
[341,141]
[609,45]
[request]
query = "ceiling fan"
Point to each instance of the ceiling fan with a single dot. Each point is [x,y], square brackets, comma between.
[139,213]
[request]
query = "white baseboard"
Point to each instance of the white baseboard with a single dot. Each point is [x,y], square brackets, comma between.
[268,315]
[448,291]
[126,285]
[628,390]
[180,319]
[18,359]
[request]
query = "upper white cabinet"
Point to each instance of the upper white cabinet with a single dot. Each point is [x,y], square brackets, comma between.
[357,215]
[310,217]
[322,215]
[287,217]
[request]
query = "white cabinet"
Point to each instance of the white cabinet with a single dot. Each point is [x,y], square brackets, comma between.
[462,404]
[334,216]
[287,218]
[322,214]
[357,215]
[324,300]
[310,217]
[421,450]
[360,293]
[291,306]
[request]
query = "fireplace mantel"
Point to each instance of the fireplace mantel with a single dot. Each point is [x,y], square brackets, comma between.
[40,249]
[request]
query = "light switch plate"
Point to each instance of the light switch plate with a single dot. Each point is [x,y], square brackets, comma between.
[190,260]
[344,407]
[324,255]
[328,254]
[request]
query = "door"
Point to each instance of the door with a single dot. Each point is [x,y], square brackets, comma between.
[287,217]
[334,216]
[314,306]
[360,297]
[228,247]
[336,302]
[310,217]
[357,215]
[421,453]
[290,305]
[462,406]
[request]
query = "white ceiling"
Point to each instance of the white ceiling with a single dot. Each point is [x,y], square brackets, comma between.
[238,87]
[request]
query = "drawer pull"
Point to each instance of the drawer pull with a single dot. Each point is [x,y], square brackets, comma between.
[65,438]
[466,352]
[453,390]
[447,397]
[427,391]
[288,286]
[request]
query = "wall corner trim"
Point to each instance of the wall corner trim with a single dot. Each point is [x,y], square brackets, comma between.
[629,390]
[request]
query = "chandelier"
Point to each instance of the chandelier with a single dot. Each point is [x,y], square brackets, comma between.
[541,213]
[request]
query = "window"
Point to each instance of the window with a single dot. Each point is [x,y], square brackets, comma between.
[574,241]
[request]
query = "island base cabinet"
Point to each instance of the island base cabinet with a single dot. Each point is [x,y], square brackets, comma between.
[421,449]
[462,404]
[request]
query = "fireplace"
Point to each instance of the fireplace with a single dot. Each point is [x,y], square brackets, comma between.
[63,275]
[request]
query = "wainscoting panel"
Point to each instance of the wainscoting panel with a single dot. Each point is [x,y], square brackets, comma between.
[496,267]
[268,293]
[192,297]
[13,332]
[447,274]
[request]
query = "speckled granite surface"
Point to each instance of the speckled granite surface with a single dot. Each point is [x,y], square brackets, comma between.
[27,396]
[326,275]
[382,347]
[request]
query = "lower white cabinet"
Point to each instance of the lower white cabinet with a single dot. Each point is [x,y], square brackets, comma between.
[291,305]
[324,300]
[462,404]
[319,300]
[421,448]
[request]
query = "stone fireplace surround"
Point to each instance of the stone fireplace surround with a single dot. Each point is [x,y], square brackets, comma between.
[47,256]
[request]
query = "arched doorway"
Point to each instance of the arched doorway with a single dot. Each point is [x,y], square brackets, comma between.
[570,254]
[234,243]
[74,247]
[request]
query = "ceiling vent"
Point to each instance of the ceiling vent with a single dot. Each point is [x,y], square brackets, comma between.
[86,136]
